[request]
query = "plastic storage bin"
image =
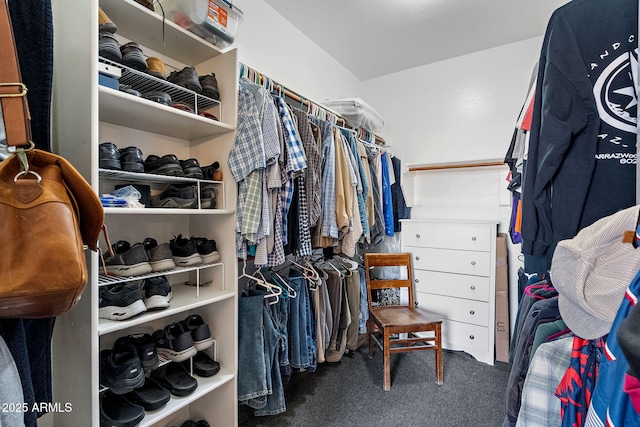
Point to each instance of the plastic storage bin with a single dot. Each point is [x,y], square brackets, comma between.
[214,20]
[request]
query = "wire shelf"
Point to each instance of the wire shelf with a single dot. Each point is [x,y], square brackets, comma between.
[112,280]
[143,82]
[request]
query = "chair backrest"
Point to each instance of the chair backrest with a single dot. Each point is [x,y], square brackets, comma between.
[388,260]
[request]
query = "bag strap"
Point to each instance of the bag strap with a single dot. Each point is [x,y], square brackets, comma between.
[13,93]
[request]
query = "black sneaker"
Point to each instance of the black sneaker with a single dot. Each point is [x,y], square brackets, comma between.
[187,77]
[207,249]
[145,347]
[209,171]
[121,369]
[127,260]
[158,96]
[120,301]
[191,168]
[209,85]
[157,292]
[200,333]
[133,57]
[207,196]
[185,251]
[108,47]
[174,342]
[165,165]
[131,159]
[160,257]
[176,196]
[109,156]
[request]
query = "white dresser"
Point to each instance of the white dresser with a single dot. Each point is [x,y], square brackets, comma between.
[454,267]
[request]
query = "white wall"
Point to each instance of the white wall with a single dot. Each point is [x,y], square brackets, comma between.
[455,110]
[462,109]
[270,44]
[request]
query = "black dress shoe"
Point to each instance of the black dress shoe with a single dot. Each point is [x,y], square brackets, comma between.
[187,77]
[131,159]
[191,168]
[109,156]
[209,85]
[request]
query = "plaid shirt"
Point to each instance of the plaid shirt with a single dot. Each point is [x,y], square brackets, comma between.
[296,160]
[247,155]
[304,233]
[540,407]
[314,166]
[328,196]
[363,188]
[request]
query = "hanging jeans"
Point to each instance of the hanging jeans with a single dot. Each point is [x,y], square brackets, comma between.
[273,403]
[252,372]
[302,341]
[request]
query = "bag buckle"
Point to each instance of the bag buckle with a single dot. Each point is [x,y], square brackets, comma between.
[21,153]
[23,90]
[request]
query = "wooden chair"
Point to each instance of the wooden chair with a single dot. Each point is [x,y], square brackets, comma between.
[398,324]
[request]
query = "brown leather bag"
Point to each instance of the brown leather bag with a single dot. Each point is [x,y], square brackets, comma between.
[47,211]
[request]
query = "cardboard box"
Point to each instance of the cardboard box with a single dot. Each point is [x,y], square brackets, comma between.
[502,300]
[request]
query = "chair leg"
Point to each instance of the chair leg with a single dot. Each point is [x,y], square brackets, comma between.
[387,360]
[370,335]
[439,369]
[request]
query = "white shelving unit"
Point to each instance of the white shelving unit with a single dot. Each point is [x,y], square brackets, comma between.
[85,115]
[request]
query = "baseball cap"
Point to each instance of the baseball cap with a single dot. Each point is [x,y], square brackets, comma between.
[592,271]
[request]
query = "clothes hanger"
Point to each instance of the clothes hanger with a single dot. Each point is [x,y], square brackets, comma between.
[291,293]
[273,290]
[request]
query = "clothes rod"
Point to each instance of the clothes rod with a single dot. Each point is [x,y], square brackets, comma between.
[276,87]
[442,166]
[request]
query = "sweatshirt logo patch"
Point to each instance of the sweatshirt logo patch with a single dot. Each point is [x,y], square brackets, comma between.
[615,94]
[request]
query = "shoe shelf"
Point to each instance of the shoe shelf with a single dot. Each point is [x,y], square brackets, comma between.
[137,177]
[143,83]
[205,386]
[123,109]
[112,280]
[149,29]
[167,211]
[184,299]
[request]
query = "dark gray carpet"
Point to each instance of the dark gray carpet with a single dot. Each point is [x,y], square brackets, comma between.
[350,393]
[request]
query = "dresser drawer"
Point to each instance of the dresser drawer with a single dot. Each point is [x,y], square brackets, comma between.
[461,310]
[449,236]
[462,336]
[453,285]
[451,261]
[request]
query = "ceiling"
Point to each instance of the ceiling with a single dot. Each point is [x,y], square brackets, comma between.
[372,38]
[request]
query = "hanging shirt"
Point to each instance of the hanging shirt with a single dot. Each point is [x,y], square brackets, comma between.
[312,173]
[246,155]
[387,203]
[328,197]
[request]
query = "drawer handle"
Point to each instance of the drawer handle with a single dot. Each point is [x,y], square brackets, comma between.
[417,236]
[471,337]
[416,280]
[474,238]
[417,258]
[473,263]
[472,312]
[473,288]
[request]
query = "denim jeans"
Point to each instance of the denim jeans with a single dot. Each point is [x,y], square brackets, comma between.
[364,305]
[281,315]
[275,401]
[252,372]
[302,350]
